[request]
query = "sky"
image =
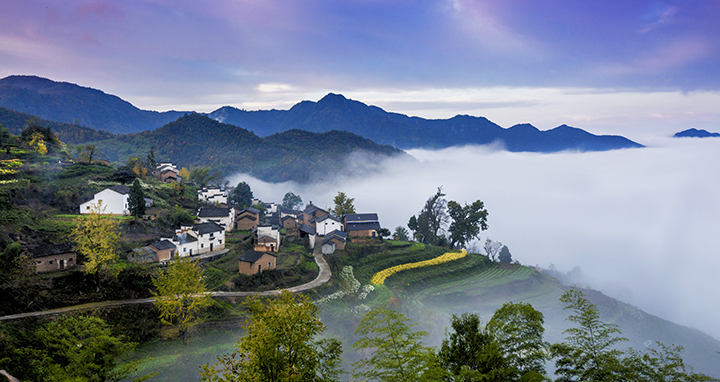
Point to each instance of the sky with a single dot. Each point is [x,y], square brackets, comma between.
[635,68]
[641,69]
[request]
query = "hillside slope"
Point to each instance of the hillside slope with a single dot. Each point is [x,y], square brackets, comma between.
[196,140]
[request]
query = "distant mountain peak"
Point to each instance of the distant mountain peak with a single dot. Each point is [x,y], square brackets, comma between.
[696,133]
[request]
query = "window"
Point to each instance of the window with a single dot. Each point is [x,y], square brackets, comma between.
[202,245]
[269,264]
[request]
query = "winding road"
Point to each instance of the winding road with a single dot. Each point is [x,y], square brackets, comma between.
[322,278]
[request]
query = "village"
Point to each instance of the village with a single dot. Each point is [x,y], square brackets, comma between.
[269,226]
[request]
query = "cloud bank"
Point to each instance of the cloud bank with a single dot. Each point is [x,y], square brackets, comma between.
[640,223]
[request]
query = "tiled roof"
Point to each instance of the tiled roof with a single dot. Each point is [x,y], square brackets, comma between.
[52,249]
[213,212]
[362,226]
[162,244]
[252,256]
[120,189]
[207,227]
[361,217]
[307,229]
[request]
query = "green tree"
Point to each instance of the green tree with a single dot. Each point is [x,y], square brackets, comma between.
[518,328]
[279,345]
[75,348]
[397,353]
[505,256]
[181,295]
[467,221]
[151,162]
[343,205]
[178,216]
[432,219]
[291,201]
[413,225]
[661,364]
[588,353]
[136,199]
[97,240]
[471,353]
[242,195]
[401,234]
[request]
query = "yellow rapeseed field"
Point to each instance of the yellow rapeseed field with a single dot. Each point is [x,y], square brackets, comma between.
[379,278]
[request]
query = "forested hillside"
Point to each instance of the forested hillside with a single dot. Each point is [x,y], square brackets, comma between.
[196,140]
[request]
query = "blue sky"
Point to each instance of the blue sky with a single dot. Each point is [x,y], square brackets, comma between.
[625,67]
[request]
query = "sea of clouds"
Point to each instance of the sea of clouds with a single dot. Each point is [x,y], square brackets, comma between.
[642,224]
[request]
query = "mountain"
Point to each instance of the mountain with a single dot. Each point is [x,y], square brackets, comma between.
[197,140]
[335,112]
[70,103]
[15,122]
[695,133]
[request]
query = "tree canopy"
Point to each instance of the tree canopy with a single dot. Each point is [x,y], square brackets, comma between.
[343,205]
[467,221]
[181,295]
[97,237]
[242,195]
[292,201]
[136,199]
[279,345]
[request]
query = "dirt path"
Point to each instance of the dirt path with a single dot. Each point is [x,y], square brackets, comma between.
[322,278]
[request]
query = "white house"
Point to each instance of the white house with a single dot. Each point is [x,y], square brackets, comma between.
[212,195]
[198,239]
[225,217]
[267,238]
[114,199]
[326,224]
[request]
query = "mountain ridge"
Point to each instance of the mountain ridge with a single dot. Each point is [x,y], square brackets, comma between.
[70,103]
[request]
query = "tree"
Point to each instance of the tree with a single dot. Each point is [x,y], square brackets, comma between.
[343,205]
[97,239]
[37,143]
[184,174]
[518,328]
[467,221]
[279,345]
[492,248]
[124,175]
[136,199]
[397,353]
[401,234]
[662,364]
[384,232]
[505,256]
[76,348]
[291,201]
[432,219]
[413,225]
[242,195]
[180,295]
[151,162]
[471,352]
[588,353]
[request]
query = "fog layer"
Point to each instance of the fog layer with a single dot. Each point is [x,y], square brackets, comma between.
[642,224]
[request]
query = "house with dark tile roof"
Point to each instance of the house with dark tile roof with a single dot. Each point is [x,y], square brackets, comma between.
[253,262]
[362,225]
[247,219]
[223,216]
[54,257]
